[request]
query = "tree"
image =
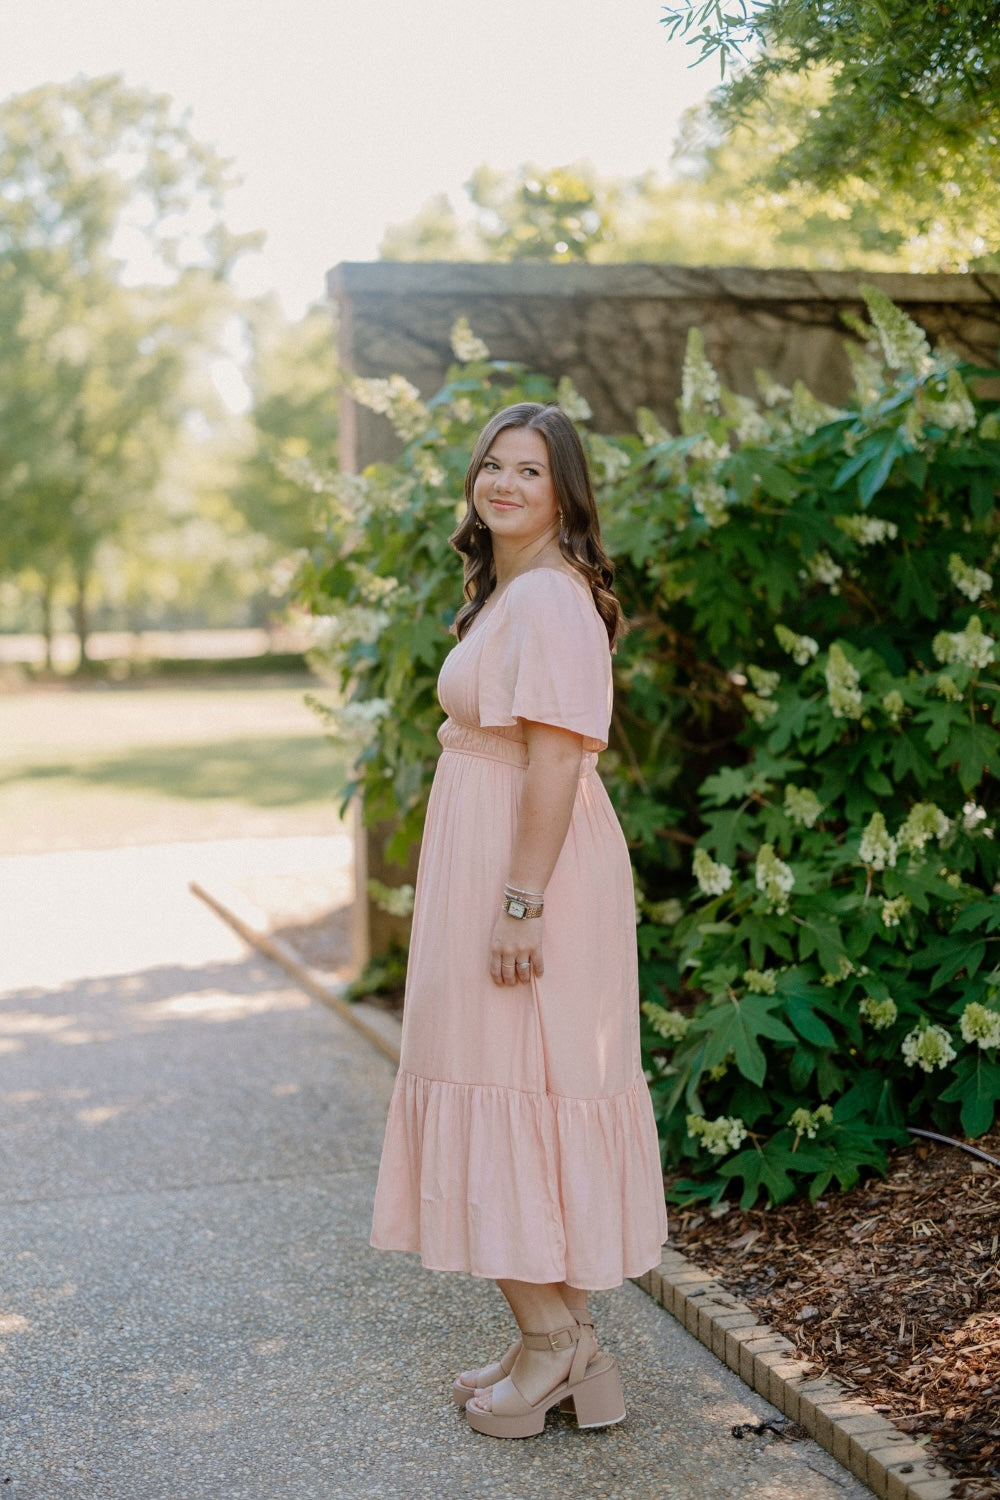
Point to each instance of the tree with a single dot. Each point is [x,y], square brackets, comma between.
[294,380]
[113,262]
[912,87]
[555,214]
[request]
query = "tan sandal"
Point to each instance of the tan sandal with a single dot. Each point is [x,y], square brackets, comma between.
[593,1385]
[460,1392]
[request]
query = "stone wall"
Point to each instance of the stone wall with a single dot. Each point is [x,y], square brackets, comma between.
[619,332]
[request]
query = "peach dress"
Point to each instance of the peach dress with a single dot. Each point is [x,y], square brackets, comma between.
[520,1141]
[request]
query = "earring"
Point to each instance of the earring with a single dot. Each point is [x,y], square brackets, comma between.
[480,525]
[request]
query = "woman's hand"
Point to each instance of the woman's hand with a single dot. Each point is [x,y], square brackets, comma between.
[516,950]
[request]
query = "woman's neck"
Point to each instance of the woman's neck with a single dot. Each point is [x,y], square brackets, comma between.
[511,561]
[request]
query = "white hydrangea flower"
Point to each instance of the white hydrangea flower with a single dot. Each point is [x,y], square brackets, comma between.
[980,1025]
[613,461]
[924,821]
[355,626]
[752,427]
[764,682]
[956,412]
[880,1014]
[895,910]
[428,469]
[946,687]
[572,403]
[821,568]
[650,428]
[719,1136]
[713,879]
[671,1025]
[894,705]
[699,383]
[772,394]
[396,900]
[807,412]
[867,531]
[801,648]
[972,816]
[807,1121]
[761,981]
[802,805]
[878,848]
[774,878]
[842,685]
[972,582]
[395,398]
[707,451]
[970,647]
[664,913]
[709,500]
[927,1047]
[904,343]
[466,347]
[463,410]
[760,709]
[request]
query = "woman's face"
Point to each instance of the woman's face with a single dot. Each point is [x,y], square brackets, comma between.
[514,494]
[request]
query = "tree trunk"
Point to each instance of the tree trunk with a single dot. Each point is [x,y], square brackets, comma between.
[48,590]
[81,616]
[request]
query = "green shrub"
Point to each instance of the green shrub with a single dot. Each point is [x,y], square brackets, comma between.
[805,724]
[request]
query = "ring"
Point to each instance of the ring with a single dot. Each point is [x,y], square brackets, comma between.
[526,964]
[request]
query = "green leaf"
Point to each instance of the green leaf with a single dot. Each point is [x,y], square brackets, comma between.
[735,1027]
[767,1168]
[951,955]
[981,914]
[977,1088]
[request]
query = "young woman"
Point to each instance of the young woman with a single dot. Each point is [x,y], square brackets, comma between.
[520,1143]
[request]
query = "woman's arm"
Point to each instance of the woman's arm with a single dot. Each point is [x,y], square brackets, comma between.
[546,806]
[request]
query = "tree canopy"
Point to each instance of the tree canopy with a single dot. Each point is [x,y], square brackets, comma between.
[912,86]
[114,254]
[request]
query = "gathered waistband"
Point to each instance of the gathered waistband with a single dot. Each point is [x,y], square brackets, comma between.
[463,739]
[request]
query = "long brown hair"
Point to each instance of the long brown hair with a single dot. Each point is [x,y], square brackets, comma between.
[579,526]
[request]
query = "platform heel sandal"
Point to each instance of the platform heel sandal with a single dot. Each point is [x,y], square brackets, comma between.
[593,1385]
[461,1393]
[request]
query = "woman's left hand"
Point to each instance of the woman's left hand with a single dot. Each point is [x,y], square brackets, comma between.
[516,950]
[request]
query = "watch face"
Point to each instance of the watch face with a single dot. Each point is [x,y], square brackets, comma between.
[516,908]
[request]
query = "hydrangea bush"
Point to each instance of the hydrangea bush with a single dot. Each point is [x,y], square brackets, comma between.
[804,743]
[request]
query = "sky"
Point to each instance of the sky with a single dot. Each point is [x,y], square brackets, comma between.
[343,116]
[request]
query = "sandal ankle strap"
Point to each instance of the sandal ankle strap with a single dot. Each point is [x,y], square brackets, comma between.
[556,1342]
[559,1341]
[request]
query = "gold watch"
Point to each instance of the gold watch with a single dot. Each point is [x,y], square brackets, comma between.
[515,907]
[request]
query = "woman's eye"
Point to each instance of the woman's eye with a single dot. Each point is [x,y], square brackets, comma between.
[531,473]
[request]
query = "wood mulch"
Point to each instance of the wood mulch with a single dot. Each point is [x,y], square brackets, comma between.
[893,1288]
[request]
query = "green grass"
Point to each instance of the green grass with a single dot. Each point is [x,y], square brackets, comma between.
[95,768]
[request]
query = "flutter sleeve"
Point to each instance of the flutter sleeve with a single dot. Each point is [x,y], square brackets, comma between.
[546,659]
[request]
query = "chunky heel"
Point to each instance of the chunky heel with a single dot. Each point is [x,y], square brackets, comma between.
[593,1387]
[598,1397]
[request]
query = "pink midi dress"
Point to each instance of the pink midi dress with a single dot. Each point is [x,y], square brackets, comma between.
[520,1140]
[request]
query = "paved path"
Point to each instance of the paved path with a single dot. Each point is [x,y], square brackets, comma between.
[189,1309]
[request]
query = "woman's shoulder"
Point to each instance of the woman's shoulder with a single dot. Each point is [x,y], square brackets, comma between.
[548,584]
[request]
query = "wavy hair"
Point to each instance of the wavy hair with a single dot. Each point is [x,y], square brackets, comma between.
[579,526]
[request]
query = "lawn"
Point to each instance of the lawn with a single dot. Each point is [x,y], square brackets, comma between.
[98,766]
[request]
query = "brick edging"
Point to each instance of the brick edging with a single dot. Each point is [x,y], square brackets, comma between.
[876,1452]
[888,1461]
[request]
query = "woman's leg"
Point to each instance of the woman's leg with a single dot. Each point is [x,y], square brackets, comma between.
[541,1308]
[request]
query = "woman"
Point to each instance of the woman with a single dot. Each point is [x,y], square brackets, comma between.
[520,1143]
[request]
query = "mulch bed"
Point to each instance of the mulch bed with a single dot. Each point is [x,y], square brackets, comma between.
[893,1288]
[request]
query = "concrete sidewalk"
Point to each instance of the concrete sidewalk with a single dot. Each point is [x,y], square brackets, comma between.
[190,1308]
